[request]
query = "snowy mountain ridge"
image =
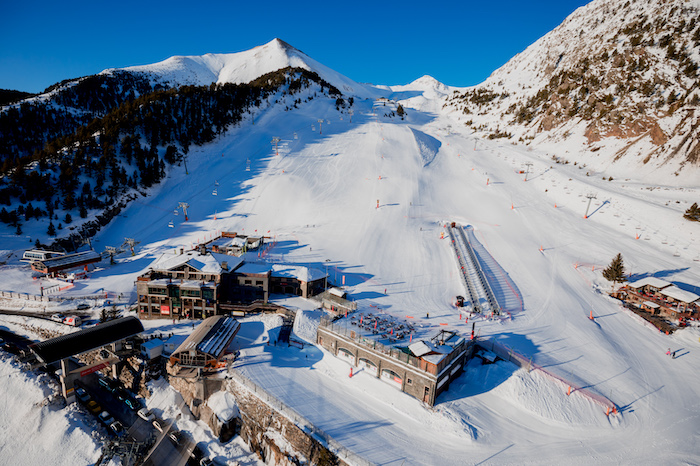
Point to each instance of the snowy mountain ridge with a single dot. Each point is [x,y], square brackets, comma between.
[244,67]
[617,81]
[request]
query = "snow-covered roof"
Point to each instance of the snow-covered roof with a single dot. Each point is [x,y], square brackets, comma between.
[300,272]
[207,263]
[150,344]
[419,348]
[651,281]
[254,268]
[651,304]
[679,294]
[337,292]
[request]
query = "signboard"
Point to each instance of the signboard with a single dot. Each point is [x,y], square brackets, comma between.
[83,371]
[164,309]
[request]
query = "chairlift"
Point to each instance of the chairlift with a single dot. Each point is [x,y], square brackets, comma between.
[171,224]
[216,182]
[296,136]
[313,128]
[175,212]
[247,165]
[215,192]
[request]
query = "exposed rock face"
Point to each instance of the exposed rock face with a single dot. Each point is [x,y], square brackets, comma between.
[614,69]
[276,439]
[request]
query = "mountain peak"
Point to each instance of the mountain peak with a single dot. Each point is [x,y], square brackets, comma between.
[244,67]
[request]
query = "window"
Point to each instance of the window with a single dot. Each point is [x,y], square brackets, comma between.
[158,291]
[248,282]
[259,282]
[409,381]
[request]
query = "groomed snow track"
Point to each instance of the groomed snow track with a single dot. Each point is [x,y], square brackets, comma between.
[478,288]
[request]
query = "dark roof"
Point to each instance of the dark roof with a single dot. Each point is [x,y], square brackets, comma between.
[68,261]
[79,342]
[211,337]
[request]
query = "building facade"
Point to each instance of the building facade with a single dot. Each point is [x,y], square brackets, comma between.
[423,377]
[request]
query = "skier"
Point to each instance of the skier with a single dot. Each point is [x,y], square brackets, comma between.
[668,352]
[673,355]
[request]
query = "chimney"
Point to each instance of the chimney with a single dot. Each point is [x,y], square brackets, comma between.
[224,265]
[202,250]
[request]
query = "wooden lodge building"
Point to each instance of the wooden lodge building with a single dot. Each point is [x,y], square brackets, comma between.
[660,297]
[194,284]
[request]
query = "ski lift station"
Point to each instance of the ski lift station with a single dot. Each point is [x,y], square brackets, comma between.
[205,347]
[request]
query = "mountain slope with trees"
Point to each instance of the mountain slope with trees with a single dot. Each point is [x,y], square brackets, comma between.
[618,78]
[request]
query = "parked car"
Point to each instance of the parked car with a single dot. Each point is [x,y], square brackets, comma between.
[146,415]
[83,307]
[117,428]
[176,437]
[73,321]
[121,394]
[82,395]
[109,384]
[58,317]
[93,406]
[106,418]
[157,425]
[206,462]
[132,403]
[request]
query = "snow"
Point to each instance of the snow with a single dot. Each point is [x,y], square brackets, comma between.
[243,67]
[35,428]
[652,281]
[369,201]
[168,405]
[224,405]
[679,294]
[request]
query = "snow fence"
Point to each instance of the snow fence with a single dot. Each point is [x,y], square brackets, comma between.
[521,361]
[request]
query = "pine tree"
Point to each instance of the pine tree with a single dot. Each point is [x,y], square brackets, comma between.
[51,230]
[400,111]
[18,231]
[615,272]
[693,213]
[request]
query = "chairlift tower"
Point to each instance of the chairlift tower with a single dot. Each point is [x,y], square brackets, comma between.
[320,126]
[112,251]
[184,206]
[351,112]
[527,171]
[247,165]
[590,197]
[275,141]
[131,242]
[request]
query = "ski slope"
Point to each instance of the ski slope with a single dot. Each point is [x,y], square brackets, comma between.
[368,199]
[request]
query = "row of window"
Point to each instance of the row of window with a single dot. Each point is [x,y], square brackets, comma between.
[250,282]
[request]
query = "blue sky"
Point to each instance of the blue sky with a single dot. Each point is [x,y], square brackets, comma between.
[458,42]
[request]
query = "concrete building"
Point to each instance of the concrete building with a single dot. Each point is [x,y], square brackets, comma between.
[423,369]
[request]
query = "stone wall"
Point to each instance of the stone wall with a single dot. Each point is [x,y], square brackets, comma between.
[275,438]
[267,432]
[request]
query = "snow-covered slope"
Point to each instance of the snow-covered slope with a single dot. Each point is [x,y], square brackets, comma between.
[244,67]
[617,81]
